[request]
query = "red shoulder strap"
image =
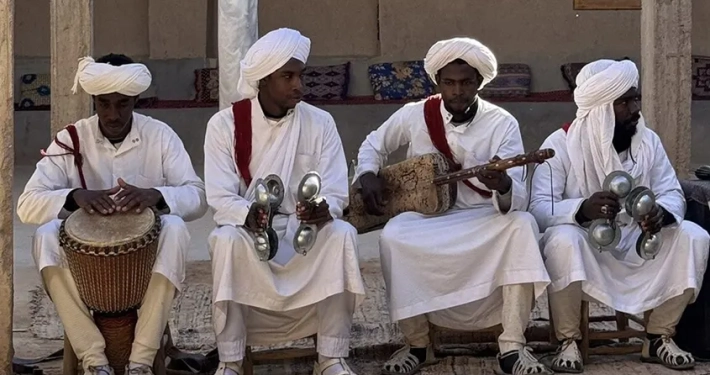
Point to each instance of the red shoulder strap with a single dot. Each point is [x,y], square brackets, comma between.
[566,126]
[242,137]
[74,149]
[437,134]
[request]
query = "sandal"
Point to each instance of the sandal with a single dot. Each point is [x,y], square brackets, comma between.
[568,358]
[403,362]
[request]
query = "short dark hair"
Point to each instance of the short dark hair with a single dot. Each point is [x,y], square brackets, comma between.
[115,59]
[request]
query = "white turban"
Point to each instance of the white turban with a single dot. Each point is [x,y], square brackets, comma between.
[469,50]
[269,54]
[100,78]
[590,137]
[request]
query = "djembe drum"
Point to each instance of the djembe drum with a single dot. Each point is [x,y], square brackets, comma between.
[111,259]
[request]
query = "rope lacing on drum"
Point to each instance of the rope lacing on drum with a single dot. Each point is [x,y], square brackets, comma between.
[108,250]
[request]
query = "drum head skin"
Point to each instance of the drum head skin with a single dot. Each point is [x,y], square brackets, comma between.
[108,230]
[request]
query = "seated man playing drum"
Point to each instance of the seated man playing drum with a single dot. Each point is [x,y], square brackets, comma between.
[116,161]
[599,158]
[479,264]
[270,132]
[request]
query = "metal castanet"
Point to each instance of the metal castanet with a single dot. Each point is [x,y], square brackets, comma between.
[605,234]
[306,234]
[641,202]
[269,194]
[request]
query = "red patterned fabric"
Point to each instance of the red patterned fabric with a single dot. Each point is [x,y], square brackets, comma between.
[326,82]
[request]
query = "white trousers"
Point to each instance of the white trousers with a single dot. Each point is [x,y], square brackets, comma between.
[518,302]
[85,337]
[330,318]
[566,312]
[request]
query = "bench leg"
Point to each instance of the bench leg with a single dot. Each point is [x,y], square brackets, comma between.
[248,364]
[622,323]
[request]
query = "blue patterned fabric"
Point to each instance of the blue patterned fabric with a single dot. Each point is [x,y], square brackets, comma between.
[34,90]
[400,80]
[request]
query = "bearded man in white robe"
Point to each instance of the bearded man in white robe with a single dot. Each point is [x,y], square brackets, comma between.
[292,296]
[609,134]
[479,264]
[127,162]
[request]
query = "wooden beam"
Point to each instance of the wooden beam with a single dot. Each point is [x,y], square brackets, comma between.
[7,164]
[72,37]
[666,76]
[607,4]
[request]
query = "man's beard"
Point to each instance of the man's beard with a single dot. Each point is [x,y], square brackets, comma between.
[623,133]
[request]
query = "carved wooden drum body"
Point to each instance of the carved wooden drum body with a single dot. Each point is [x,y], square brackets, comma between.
[408,187]
[111,259]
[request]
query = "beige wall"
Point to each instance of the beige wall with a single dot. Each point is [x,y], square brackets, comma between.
[541,33]
[161,29]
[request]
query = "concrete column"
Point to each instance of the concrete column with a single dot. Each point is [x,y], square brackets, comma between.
[7,163]
[238,29]
[72,37]
[666,75]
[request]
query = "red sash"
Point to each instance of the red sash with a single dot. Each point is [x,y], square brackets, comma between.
[566,126]
[437,134]
[74,149]
[242,137]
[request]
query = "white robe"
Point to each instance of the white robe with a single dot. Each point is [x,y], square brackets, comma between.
[459,259]
[303,141]
[151,156]
[618,278]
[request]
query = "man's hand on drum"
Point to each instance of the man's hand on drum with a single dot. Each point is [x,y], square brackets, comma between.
[495,180]
[131,197]
[256,219]
[317,213]
[96,200]
[372,193]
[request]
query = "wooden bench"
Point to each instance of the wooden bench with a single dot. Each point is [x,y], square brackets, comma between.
[622,333]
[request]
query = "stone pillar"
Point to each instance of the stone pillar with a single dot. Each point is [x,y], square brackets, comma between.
[666,75]
[72,37]
[7,163]
[237,23]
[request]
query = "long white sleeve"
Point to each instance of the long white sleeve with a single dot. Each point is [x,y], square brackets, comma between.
[517,198]
[333,170]
[222,180]
[547,191]
[665,184]
[46,191]
[184,191]
[390,136]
